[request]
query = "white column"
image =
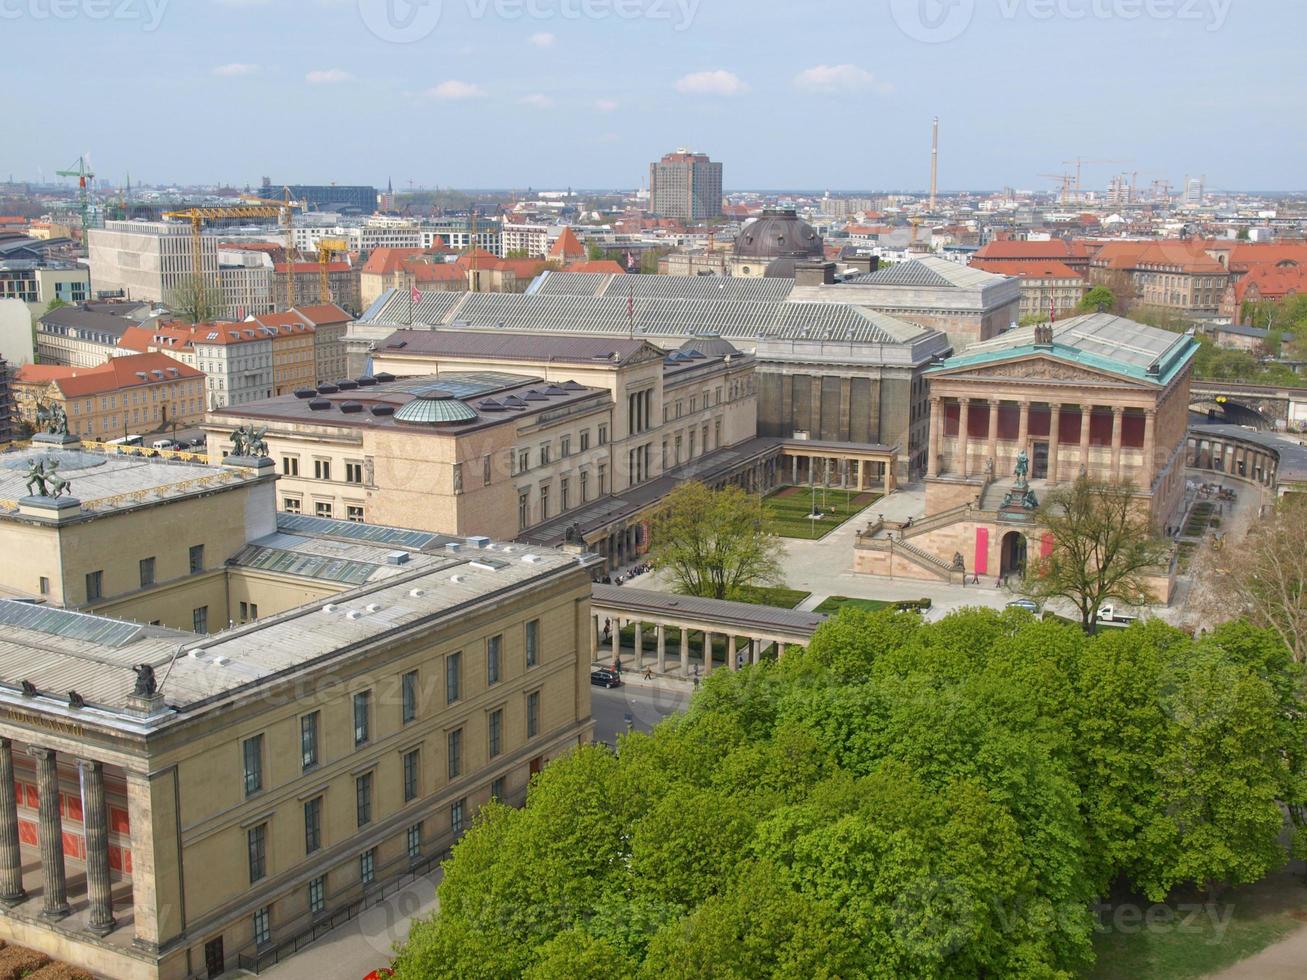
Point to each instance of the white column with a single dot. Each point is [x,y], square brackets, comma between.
[730,650]
[662,648]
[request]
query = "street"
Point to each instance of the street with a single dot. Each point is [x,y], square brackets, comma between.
[646,706]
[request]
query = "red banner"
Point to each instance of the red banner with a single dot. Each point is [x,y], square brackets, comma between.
[982,551]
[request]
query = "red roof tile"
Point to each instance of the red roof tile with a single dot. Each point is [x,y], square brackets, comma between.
[115,374]
[568,246]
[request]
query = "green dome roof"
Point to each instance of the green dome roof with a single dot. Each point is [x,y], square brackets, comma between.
[433,406]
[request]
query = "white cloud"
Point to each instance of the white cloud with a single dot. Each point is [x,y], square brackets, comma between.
[538,101]
[607,105]
[328,76]
[544,40]
[235,69]
[717,82]
[838,79]
[454,89]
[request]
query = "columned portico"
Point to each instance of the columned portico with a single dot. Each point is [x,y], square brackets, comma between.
[11,857]
[55,900]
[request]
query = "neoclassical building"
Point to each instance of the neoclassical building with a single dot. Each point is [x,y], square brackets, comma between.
[1096,395]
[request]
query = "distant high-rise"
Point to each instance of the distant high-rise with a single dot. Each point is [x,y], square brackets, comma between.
[343,198]
[685,185]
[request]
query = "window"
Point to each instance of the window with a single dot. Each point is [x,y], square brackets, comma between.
[523,509]
[453,677]
[354,513]
[253,755]
[322,469]
[494,647]
[603,477]
[523,460]
[318,895]
[363,799]
[196,559]
[565,494]
[496,726]
[455,753]
[147,572]
[458,477]
[409,696]
[367,866]
[309,741]
[410,776]
[497,788]
[585,439]
[44,585]
[545,450]
[544,503]
[257,839]
[486,470]
[456,812]
[603,435]
[362,708]
[565,446]
[322,508]
[290,466]
[200,619]
[291,505]
[354,473]
[313,825]
[94,585]
[585,487]
[413,842]
[263,926]
[533,714]
[532,642]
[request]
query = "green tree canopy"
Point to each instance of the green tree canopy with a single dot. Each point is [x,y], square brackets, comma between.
[1098,298]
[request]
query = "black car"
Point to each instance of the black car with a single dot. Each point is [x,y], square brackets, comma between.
[603,677]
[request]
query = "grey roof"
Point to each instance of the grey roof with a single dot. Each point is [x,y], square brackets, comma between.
[928,271]
[473,343]
[1292,455]
[97,321]
[720,288]
[1240,330]
[662,319]
[726,613]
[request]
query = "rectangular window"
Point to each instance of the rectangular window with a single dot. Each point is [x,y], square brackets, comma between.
[196,559]
[533,714]
[544,503]
[290,466]
[313,825]
[603,435]
[354,514]
[253,757]
[585,487]
[354,473]
[453,677]
[456,814]
[603,478]
[362,711]
[368,866]
[486,470]
[409,696]
[497,788]
[200,619]
[309,741]
[533,643]
[291,505]
[496,727]
[257,839]
[363,799]
[585,439]
[458,477]
[494,648]
[565,494]
[263,926]
[44,585]
[565,446]
[410,776]
[413,842]
[318,895]
[322,469]
[523,460]
[322,508]
[455,753]
[147,572]
[94,586]
[523,510]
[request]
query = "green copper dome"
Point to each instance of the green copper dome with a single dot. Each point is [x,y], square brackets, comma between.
[432,406]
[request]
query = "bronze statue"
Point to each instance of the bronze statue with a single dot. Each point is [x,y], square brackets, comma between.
[249,442]
[52,418]
[44,476]
[145,683]
[1023,467]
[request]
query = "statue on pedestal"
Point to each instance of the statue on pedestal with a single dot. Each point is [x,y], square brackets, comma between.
[52,418]
[1023,469]
[249,442]
[43,479]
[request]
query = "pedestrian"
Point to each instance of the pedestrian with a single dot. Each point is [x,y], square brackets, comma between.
[617,666]
[648,673]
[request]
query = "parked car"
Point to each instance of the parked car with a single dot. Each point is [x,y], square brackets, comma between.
[1029,605]
[603,677]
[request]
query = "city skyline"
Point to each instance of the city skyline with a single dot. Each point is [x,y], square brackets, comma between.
[453,102]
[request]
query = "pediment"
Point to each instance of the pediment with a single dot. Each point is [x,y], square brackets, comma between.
[1038,368]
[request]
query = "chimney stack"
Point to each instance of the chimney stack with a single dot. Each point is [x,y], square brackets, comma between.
[934,163]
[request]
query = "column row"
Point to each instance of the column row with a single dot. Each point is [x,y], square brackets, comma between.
[607,631]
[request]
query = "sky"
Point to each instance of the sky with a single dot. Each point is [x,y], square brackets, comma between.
[788,94]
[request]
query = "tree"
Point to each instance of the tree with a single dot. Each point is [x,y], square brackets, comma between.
[196,300]
[714,542]
[1263,577]
[1103,545]
[1098,300]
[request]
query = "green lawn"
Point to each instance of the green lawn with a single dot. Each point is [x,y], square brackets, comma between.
[835,603]
[1181,944]
[786,510]
[780,597]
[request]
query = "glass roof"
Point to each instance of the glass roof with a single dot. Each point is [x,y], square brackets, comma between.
[374,533]
[64,622]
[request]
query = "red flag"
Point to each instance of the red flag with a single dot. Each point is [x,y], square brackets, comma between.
[415,296]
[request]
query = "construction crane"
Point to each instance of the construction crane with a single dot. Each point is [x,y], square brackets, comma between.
[1080,162]
[84,178]
[1066,180]
[328,249]
[198,216]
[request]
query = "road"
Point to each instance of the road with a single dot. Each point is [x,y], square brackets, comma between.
[646,706]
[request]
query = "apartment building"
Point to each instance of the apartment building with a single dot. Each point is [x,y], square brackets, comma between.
[294,365]
[1049,289]
[87,335]
[685,185]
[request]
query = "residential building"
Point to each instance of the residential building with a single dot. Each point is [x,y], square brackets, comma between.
[87,335]
[1071,252]
[1049,289]
[29,272]
[1174,274]
[236,359]
[133,394]
[342,284]
[294,366]
[221,792]
[329,323]
[685,185]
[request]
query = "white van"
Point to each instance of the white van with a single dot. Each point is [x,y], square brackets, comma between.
[163,444]
[1115,614]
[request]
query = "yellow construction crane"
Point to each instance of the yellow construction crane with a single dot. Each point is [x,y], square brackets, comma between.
[198,216]
[328,249]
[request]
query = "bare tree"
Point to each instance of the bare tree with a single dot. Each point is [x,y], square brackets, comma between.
[196,299]
[1262,576]
[1103,547]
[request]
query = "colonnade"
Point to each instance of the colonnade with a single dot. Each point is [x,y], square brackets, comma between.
[755,648]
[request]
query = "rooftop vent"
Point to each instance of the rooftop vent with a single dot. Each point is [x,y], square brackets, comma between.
[221,661]
[532,559]
[351,408]
[479,541]
[347,385]
[330,607]
[367,381]
[383,410]
[373,607]
[354,614]
[397,558]
[573,386]
[384,377]
[536,396]
[327,389]
[490,405]
[416,593]
[458,579]
[320,405]
[553,391]
[453,546]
